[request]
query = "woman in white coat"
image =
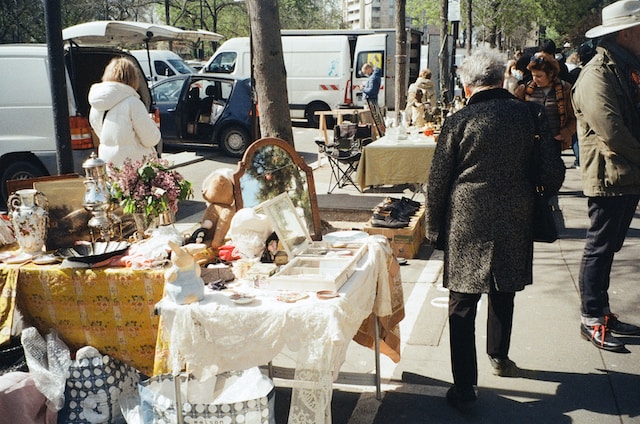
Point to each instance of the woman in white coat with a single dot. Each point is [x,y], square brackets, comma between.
[119,117]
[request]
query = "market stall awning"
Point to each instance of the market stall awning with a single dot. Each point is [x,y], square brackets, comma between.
[125,32]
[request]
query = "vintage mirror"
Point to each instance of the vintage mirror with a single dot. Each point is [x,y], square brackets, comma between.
[270,167]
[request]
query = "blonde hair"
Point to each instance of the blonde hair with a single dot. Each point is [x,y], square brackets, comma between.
[122,69]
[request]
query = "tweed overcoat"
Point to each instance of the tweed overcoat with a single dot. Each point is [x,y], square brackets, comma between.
[480,192]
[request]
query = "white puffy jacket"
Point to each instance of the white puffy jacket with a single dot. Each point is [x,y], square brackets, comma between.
[122,122]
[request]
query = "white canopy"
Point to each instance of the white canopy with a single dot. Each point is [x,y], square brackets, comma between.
[125,32]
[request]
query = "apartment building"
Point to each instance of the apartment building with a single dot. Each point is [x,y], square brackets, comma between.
[368,14]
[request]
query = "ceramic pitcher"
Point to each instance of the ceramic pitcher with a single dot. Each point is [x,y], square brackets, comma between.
[28,210]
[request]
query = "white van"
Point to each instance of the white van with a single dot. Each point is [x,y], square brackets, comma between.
[318,70]
[165,63]
[28,146]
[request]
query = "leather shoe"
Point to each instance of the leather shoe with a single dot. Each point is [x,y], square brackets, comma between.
[601,337]
[461,397]
[504,367]
[387,222]
[621,328]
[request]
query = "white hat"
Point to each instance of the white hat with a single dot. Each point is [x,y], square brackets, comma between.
[616,17]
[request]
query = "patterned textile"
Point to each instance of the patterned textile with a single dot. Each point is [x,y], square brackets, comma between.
[8,281]
[111,309]
[388,324]
[94,387]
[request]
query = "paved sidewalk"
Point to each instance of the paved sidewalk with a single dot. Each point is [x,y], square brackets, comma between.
[564,380]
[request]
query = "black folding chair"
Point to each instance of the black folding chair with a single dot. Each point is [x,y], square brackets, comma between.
[345,152]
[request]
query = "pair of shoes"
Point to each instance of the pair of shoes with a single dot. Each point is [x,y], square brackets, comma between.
[621,328]
[504,367]
[600,336]
[395,212]
[387,222]
[461,397]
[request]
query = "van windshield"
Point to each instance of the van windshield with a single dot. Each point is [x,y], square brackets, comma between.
[224,63]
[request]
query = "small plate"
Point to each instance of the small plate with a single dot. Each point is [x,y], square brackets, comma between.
[20,258]
[46,259]
[242,298]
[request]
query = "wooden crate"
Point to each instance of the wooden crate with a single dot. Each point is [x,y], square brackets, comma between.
[404,241]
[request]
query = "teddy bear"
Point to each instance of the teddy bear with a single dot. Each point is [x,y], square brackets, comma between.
[217,191]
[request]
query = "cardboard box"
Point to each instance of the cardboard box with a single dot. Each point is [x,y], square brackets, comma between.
[406,241]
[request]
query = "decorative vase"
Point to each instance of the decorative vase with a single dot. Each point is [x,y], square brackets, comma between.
[144,224]
[29,214]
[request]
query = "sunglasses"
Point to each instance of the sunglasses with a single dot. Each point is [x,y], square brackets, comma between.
[536,59]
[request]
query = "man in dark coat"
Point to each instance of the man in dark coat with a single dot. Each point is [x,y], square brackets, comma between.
[606,99]
[479,206]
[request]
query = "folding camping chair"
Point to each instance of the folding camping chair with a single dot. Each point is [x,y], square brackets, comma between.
[345,152]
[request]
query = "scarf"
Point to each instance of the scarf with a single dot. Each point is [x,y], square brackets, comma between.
[559,92]
[628,67]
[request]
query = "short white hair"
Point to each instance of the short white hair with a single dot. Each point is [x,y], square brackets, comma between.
[484,68]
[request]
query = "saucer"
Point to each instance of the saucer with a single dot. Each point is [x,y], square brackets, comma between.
[242,298]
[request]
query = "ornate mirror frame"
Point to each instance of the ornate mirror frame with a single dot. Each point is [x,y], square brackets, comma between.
[245,167]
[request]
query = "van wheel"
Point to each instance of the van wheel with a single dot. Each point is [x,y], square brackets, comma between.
[19,170]
[234,141]
[314,120]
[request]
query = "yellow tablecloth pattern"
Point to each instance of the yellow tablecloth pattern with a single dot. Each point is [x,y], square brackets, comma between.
[111,309]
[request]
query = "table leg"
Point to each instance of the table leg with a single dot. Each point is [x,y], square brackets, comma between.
[377,353]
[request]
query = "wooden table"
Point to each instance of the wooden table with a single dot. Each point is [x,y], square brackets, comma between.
[388,161]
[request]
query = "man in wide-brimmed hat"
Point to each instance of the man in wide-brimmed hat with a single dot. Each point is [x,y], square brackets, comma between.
[606,99]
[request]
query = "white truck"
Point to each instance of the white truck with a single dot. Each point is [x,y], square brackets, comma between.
[323,66]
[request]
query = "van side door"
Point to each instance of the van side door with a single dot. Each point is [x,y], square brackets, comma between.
[370,49]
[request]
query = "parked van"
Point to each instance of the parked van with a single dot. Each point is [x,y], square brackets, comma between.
[318,71]
[164,64]
[27,137]
[324,66]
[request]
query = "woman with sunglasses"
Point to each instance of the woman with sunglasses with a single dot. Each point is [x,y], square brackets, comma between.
[547,89]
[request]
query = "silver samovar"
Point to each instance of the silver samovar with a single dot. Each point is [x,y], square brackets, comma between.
[103,226]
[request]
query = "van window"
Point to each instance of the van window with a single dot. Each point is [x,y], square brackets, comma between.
[180,66]
[163,69]
[224,63]
[168,91]
[375,58]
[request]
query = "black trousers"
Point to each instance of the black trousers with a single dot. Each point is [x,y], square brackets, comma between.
[610,220]
[462,333]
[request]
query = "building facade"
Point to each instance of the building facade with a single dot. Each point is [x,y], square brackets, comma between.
[368,14]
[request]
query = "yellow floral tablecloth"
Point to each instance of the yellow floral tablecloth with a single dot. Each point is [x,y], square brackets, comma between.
[111,309]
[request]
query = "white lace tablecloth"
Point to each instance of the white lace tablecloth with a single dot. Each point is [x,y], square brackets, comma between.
[217,335]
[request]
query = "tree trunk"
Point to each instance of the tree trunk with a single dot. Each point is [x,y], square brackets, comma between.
[268,70]
[401,59]
[443,56]
[469,26]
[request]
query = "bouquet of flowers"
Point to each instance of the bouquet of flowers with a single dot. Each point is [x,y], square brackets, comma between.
[148,186]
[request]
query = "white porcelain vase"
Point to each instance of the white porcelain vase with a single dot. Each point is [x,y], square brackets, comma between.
[29,213]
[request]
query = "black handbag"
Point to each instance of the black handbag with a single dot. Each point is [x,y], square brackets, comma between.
[544,223]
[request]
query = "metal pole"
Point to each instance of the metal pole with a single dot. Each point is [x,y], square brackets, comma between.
[55,52]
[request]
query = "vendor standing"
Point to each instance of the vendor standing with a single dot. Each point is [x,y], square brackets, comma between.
[371,87]
[119,117]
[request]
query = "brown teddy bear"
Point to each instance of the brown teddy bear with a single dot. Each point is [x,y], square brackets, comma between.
[217,191]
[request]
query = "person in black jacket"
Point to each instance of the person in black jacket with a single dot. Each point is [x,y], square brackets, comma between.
[479,211]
